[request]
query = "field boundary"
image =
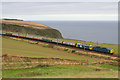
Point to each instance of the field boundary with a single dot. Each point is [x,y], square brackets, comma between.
[18,62]
[21,62]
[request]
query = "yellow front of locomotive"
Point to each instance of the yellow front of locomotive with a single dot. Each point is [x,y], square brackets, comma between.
[111,51]
[90,47]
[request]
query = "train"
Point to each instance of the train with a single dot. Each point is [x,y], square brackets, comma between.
[82,46]
[59,42]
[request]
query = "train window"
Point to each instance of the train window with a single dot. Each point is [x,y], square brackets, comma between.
[98,47]
[108,48]
[103,48]
[80,45]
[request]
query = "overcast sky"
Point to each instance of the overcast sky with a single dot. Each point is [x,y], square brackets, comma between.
[61,10]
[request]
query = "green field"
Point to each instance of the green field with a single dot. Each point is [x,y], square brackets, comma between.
[22,48]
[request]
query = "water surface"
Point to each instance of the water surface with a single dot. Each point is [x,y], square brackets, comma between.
[95,31]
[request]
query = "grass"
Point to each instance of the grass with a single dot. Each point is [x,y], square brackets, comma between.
[108,66]
[21,48]
[72,71]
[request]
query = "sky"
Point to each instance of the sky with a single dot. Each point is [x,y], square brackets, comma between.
[60,0]
[82,11]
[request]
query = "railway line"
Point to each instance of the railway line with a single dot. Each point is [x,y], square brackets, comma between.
[40,39]
[87,51]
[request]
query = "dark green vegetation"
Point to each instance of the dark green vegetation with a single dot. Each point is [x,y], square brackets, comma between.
[48,32]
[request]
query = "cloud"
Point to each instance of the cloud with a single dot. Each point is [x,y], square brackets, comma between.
[60,0]
[92,17]
[55,8]
[47,9]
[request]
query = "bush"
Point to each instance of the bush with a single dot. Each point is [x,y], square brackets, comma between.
[87,55]
[66,49]
[97,69]
[118,59]
[73,51]
[50,46]
[79,53]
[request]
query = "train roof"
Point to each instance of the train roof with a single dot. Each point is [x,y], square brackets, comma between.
[103,47]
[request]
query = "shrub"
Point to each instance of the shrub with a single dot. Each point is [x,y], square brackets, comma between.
[79,53]
[97,69]
[65,49]
[86,54]
[73,51]
[50,46]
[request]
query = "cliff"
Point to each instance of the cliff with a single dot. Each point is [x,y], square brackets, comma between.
[20,26]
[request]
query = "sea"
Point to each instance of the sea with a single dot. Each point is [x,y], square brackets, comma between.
[95,31]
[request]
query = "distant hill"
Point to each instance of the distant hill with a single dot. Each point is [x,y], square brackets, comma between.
[23,23]
[15,25]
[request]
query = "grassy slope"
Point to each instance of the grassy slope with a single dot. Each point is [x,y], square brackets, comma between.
[20,48]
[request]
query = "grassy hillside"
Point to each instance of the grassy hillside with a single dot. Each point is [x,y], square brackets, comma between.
[25,48]
[21,48]
[16,47]
[26,27]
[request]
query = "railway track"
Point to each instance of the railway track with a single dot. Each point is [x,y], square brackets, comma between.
[35,39]
[114,55]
